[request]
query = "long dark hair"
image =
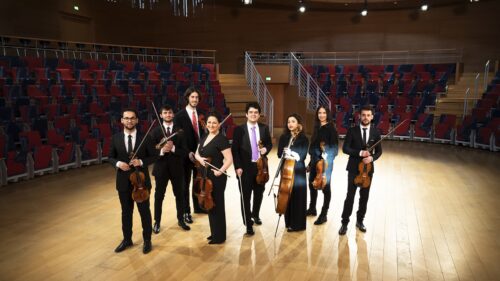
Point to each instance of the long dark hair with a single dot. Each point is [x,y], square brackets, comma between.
[317,122]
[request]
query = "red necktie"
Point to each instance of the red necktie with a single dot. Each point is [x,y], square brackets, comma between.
[195,125]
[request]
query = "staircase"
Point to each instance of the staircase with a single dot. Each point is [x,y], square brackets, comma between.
[237,95]
[453,102]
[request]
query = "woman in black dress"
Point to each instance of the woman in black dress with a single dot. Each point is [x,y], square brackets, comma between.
[324,131]
[295,216]
[215,146]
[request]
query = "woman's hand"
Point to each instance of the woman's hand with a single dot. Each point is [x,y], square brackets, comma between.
[216,172]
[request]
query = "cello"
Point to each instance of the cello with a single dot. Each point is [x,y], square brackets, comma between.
[203,187]
[319,181]
[286,168]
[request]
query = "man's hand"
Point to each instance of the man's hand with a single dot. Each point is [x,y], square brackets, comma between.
[365,153]
[123,166]
[368,159]
[239,172]
[168,147]
[263,151]
[136,162]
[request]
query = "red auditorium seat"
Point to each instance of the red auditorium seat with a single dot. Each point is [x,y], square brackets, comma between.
[30,139]
[42,157]
[54,138]
[90,151]
[16,164]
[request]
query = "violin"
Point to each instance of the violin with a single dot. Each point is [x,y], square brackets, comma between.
[164,140]
[363,178]
[262,168]
[140,193]
[203,123]
[319,181]
[203,187]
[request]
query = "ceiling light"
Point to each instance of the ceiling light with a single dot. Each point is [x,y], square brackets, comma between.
[247,2]
[424,7]
[364,12]
[302,6]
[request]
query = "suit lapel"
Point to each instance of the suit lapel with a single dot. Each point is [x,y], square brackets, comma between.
[121,143]
[359,136]
[138,140]
[261,132]
[246,138]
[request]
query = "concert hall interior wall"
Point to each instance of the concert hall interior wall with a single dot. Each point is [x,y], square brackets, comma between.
[232,30]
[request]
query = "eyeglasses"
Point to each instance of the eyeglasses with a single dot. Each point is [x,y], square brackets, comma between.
[129,118]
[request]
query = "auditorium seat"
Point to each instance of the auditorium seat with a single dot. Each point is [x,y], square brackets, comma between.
[42,159]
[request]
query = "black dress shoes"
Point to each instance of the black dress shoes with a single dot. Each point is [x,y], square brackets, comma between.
[123,245]
[250,231]
[257,220]
[343,229]
[188,218]
[321,220]
[361,226]
[183,225]
[215,242]
[209,237]
[311,212]
[147,247]
[156,228]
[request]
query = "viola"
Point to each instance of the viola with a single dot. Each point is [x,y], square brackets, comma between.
[319,181]
[262,168]
[203,187]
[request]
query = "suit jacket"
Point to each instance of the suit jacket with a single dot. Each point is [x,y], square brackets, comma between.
[241,147]
[353,144]
[173,161]
[183,121]
[118,152]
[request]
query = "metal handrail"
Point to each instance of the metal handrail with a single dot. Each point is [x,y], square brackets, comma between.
[486,72]
[307,85]
[259,89]
[47,47]
[476,86]
[466,102]
[369,57]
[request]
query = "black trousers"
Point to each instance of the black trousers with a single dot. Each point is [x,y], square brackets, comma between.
[217,215]
[189,171]
[127,204]
[349,200]
[178,189]
[249,185]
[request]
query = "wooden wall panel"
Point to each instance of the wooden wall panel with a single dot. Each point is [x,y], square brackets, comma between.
[231,31]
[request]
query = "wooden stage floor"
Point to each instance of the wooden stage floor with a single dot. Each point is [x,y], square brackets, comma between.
[433,214]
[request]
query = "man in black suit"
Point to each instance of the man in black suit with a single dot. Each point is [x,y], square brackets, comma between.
[358,139]
[123,146]
[169,167]
[245,152]
[188,120]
